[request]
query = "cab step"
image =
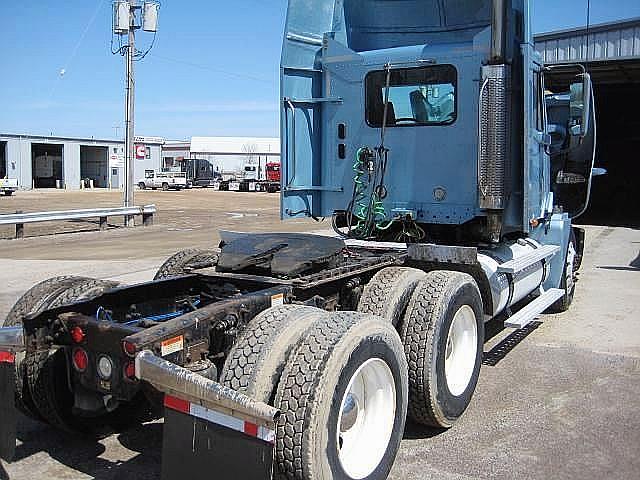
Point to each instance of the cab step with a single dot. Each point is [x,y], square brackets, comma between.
[527,314]
[516,265]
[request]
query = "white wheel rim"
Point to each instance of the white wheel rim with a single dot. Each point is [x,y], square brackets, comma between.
[571,255]
[461,350]
[366,418]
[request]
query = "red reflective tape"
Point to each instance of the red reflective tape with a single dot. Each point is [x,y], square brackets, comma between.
[251,429]
[176,404]
[7,357]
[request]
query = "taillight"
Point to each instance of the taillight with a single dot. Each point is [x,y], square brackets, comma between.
[130,371]
[77,335]
[80,359]
[129,348]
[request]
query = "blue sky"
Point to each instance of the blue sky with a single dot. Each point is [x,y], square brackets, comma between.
[213,69]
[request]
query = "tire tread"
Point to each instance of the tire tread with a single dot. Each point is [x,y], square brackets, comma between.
[180,262]
[418,334]
[388,292]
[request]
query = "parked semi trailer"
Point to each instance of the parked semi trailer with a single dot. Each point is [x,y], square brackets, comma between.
[451,162]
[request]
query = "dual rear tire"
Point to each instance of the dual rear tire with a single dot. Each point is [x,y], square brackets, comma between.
[443,334]
[41,390]
[346,381]
[440,319]
[340,381]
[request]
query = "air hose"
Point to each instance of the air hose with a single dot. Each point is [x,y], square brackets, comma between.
[370,213]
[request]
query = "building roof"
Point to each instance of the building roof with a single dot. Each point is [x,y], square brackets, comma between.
[606,42]
[235,145]
[58,139]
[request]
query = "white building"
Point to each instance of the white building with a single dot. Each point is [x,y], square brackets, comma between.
[226,154]
[64,162]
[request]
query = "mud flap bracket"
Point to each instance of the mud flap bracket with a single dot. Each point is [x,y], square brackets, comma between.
[8,412]
[209,428]
[194,446]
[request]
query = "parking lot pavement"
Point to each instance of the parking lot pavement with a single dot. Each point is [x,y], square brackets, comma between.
[563,403]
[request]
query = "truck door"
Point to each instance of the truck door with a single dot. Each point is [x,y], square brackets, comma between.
[572,123]
[537,201]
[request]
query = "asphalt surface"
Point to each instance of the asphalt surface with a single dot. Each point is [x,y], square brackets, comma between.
[559,400]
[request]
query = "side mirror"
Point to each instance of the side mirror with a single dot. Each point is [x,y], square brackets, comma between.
[580,106]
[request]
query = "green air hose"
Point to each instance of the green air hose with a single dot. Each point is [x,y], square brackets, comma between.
[370,213]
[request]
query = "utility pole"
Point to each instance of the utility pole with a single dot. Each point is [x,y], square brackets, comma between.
[129,145]
[129,16]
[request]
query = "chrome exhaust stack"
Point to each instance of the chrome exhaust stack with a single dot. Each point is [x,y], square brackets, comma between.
[494,122]
[499,31]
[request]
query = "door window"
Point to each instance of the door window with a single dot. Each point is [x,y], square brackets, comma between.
[416,96]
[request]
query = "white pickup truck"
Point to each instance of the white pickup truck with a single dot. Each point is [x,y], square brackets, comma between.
[8,185]
[164,180]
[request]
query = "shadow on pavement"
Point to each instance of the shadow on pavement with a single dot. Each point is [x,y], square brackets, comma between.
[498,352]
[84,454]
[630,268]
[415,431]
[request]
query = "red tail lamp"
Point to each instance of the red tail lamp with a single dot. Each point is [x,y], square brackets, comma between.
[130,371]
[129,348]
[77,334]
[80,359]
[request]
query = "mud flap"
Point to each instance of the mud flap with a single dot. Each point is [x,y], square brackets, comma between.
[8,412]
[201,443]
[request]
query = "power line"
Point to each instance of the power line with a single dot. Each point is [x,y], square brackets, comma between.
[213,69]
[74,52]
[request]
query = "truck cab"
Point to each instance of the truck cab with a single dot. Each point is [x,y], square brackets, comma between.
[273,171]
[443,106]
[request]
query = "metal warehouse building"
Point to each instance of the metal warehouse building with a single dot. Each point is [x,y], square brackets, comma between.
[611,53]
[66,162]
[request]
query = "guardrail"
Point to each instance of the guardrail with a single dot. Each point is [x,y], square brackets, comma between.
[19,219]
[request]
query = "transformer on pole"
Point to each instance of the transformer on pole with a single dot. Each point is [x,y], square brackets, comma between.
[129,16]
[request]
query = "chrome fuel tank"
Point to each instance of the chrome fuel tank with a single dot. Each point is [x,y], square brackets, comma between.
[508,289]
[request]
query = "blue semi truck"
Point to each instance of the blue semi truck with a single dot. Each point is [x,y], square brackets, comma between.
[451,163]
